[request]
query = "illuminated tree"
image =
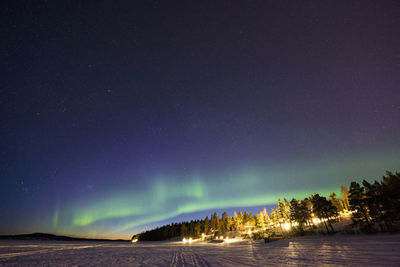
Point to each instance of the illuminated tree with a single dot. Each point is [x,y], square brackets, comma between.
[286,205]
[324,210]
[239,221]
[266,217]
[246,218]
[225,223]
[283,213]
[299,213]
[276,218]
[252,221]
[273,216]
[260,221]
[229,224]
[336,202]
[345,197]
[215,224]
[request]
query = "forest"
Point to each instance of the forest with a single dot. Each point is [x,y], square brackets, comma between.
[372,207]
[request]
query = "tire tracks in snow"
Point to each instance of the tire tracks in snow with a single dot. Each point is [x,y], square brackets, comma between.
[187,257]
[177,259]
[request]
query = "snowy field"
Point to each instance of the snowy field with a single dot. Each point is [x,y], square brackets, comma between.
[371,250]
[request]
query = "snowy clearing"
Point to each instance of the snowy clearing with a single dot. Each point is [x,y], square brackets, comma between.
[365,250]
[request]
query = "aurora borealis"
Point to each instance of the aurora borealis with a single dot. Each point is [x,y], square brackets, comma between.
[118,117]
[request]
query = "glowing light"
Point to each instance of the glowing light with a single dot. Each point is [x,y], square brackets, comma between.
[287,226]
[230,240]
[346,213]
[134,240]
[189,240]
[316,220]
[249,232]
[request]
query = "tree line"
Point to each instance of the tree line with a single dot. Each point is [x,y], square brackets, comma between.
[373,207]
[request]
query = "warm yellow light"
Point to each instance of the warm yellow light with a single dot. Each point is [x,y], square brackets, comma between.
[249,232]
[316,220]
[230,240]
[287,226]
[134,240]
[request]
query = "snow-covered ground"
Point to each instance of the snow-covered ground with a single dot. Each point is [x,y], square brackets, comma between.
[357,250]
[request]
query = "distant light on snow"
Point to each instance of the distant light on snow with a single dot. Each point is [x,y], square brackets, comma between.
[230,240]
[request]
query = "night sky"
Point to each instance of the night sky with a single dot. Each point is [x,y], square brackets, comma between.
[120,116]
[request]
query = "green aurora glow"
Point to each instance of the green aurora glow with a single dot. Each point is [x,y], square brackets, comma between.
[124,211]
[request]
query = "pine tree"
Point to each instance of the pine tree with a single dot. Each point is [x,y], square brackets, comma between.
[278,217]
[286,206]
[260,221]
[358,204]
[324,209]
[266,217]
[336,202]
[206,228]
[215,222]
[225,223]
[246,218]
[229,223]
[345,197]
[191,229]
[299,213]
[265,212]
[239,221]
[252,221]
[183,230]
[197,229]
[374,199]
[391,197]
[283,215]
